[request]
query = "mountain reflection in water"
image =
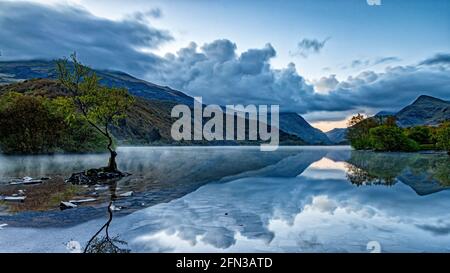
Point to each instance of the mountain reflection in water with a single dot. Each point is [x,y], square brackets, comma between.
[314,199]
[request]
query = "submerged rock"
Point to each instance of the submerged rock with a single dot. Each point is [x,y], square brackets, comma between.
[79,179]
[94,176]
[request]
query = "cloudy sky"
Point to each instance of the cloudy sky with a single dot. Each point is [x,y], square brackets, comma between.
[323,59]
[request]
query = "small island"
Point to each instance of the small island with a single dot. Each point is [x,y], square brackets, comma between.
[383,134]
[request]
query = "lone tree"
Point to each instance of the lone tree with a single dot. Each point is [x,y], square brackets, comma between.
[358,131]
[101,106]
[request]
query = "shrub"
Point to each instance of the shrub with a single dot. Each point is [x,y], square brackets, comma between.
[443,136]
[391,138]
[36,125]
[420,134]
[26,125]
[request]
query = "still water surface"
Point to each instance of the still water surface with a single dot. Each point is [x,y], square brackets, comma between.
[233,199]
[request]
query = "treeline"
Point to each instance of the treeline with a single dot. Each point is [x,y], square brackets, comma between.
[33,124]
[383,134]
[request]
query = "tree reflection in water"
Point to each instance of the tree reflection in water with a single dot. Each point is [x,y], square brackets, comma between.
[106,243]
[370,168]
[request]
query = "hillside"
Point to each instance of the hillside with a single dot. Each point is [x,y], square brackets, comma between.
[148,121]
[293,123]
[155,99]
[17,71]
[338,136]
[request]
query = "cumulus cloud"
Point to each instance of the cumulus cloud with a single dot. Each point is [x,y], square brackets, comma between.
[390,90]
[221,75]
[47,32]
[325,84]
[308,46]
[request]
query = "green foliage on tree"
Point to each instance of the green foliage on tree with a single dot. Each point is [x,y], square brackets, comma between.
[420,134]
[385,135]
[391,138]
[101,107]
[35,125]
[358,132]
[27,126]
[443,136]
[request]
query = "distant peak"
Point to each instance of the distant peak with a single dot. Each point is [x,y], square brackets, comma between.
[425,98]
[385,114]
[335,129]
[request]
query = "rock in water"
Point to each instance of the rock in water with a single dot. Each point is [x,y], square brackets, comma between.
[14,198]
[126,194]
[25,181]
[92,176]
[79,201]
[80,179]
[66,205]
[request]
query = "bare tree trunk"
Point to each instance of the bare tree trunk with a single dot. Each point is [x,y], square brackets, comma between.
[112,165]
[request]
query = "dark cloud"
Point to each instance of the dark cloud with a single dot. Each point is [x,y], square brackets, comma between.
[40,31]
[219,74]
[359,63]
[391,90]
[149,14]
[440,58]
[383,60]
[214,70]
[365,63]
[436,229]
[308,46]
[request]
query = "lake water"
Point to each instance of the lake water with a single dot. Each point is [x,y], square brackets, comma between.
[239,199]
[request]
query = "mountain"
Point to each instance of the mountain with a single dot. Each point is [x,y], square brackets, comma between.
[153,108]
[149,121]
[384,114]
[16,71]
[293,123]
[338,135]
[425,110]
